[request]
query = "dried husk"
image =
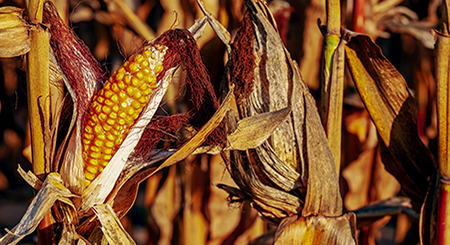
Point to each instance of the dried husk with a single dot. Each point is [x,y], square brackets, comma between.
[277,84]
[14,38]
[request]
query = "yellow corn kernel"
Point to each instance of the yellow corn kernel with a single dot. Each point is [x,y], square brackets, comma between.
[115,109]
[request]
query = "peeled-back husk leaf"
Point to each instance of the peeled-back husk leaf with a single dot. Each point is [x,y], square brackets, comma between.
[111,226]
[101,187]
[392,109]
[52,190]
[14,39]
[317,230]
[30,178]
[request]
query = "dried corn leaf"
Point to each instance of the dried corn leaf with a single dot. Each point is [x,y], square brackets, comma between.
[392,109]
[30,178]
[198,28]
[111,227]
[377,210]
[253,131]
[52,190]
[14,39]
[220,30]
[316,230]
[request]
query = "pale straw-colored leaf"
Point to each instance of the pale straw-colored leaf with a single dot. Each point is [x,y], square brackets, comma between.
[111,226]
[198,28]
[52,190]
[30,178]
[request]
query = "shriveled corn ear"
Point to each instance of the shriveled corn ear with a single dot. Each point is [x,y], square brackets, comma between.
[116,107]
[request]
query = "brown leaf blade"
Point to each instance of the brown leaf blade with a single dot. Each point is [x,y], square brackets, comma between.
[14,39]
[392,109]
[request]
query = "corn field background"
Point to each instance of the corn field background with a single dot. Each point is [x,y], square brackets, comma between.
[182,204]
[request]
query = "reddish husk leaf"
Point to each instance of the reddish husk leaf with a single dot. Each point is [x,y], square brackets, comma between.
[77,62]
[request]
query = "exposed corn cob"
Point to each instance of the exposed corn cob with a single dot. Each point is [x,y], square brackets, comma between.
[116,107]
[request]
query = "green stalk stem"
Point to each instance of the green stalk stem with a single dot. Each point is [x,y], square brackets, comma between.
[333,82]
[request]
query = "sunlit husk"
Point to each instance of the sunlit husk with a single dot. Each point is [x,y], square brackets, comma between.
[14,38]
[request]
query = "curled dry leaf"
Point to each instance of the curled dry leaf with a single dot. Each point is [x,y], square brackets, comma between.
[14,39]
[392,109]
[377,210]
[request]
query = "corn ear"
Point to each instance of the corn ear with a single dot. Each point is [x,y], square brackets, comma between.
[116,107]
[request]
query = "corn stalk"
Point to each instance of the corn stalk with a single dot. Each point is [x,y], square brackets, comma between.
[333,81]
[442,79]
[38,102]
